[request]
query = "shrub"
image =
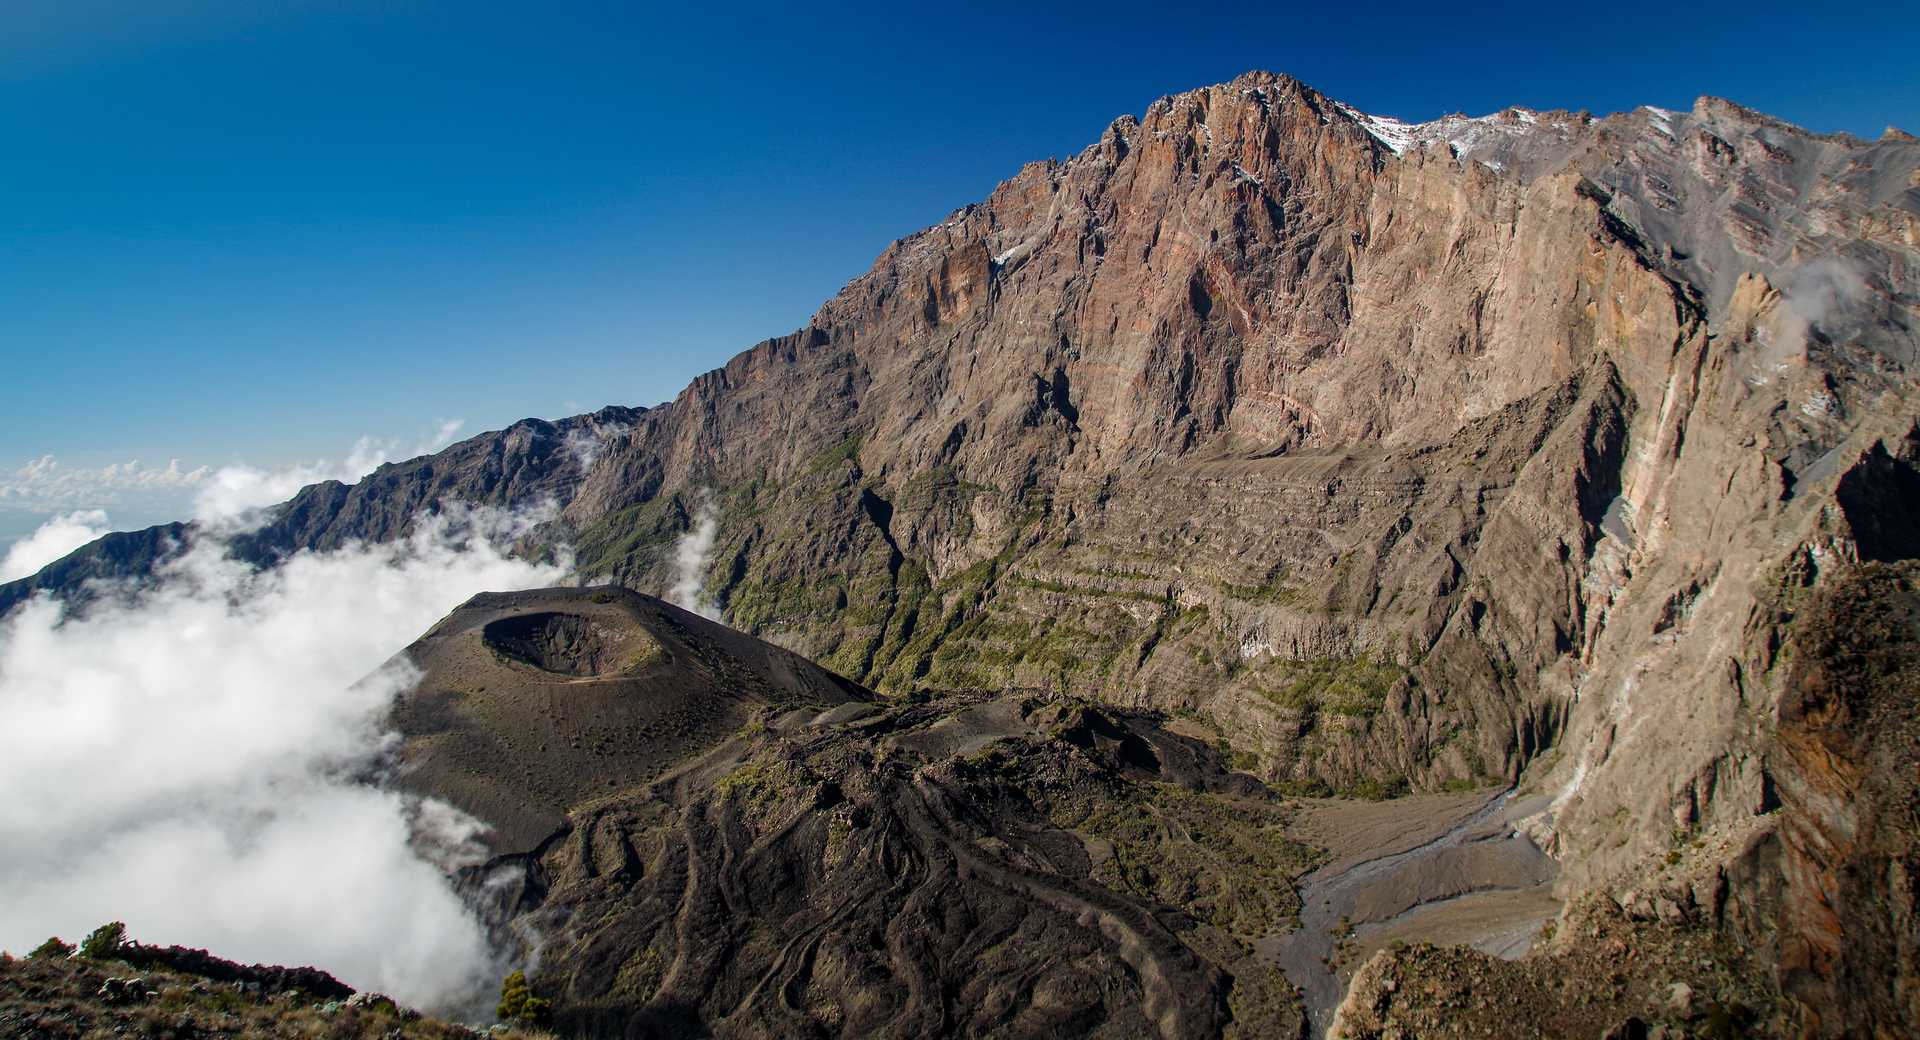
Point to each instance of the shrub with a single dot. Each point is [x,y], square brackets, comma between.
[51,949]
[1374,790]
[518,1004]
[105,942]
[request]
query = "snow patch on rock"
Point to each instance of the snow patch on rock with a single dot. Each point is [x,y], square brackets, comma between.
[1460,133]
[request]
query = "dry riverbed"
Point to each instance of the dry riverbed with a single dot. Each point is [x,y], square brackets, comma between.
[1443,868]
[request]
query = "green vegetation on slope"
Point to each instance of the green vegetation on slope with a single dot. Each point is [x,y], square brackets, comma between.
[1351,686]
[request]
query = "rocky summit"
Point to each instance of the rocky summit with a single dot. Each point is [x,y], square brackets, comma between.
[530,704]
[1270,502]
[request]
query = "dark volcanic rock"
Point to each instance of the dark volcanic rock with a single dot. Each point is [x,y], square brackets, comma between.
[708,835]
[531,703]
[965,866]
[262,978]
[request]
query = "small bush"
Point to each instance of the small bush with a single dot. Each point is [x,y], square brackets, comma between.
[1373,790]
[1313,788]
[105,942]
[52,949]
[518,1004]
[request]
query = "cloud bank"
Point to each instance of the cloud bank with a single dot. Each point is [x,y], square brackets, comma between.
[45,484]
[224,496]
[52,540]
[185,759]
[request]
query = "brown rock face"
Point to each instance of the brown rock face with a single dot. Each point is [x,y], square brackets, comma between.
[1802,923]
[1849,773]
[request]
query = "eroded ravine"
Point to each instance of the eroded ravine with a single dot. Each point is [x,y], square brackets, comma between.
[1479,864]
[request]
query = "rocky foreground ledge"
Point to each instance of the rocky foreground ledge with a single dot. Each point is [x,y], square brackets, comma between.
[178,993]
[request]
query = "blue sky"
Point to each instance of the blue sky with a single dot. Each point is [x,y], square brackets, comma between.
[240,232]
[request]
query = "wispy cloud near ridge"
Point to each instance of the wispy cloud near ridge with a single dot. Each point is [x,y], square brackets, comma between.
[52,540]
[233,495]
[691,556]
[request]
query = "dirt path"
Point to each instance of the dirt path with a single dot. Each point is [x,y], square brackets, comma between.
[1439,868]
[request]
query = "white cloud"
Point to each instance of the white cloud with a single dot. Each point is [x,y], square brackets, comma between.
[586,444]
[1822,288]
[231,498]
[443,435]
[45,484]
[691,555]
[52,540]
[1824,293]
[184,760]
[234,493]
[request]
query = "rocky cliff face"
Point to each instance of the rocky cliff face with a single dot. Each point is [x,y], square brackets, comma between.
[1830,891]
[1403,454]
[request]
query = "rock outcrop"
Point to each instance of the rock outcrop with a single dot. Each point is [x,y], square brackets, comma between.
[1831,890]
[178,993]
